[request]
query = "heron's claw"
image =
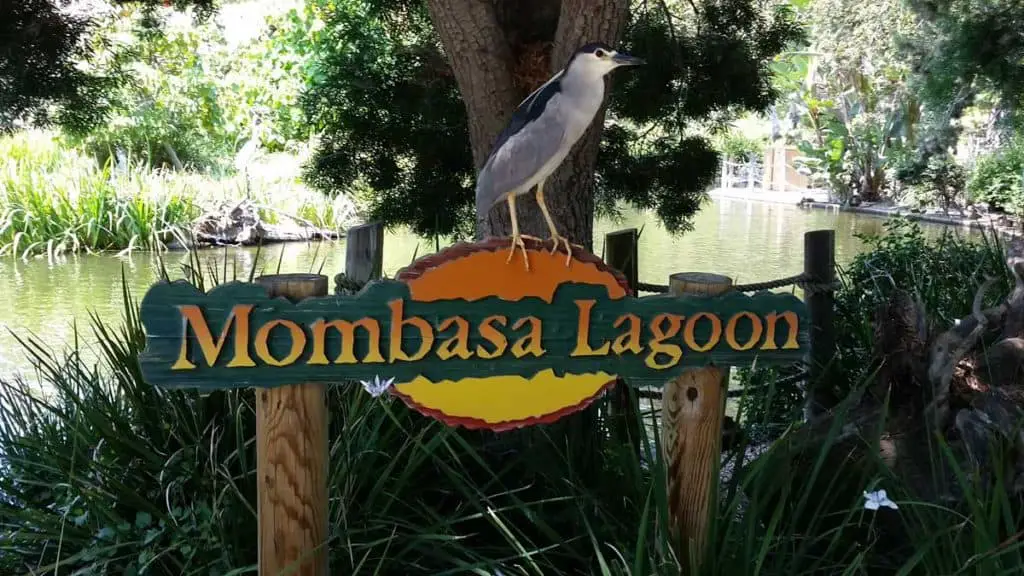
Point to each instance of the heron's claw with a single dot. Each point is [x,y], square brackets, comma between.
[556,239]
[517,240]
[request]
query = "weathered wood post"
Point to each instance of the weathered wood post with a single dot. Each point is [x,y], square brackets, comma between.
[692,407]
[291,459]
[820,268]
[364,252]
[621,252]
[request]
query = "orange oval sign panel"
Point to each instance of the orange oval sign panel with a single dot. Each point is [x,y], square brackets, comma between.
[474,272]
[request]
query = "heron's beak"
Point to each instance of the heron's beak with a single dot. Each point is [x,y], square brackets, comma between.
[627,60]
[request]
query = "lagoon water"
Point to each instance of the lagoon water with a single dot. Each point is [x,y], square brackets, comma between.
[748,241]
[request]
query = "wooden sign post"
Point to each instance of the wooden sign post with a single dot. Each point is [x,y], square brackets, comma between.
[291,459]
[692,407]
[465,337]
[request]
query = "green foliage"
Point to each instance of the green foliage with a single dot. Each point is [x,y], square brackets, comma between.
[859,110]
[944,273]
[37,52]
[189,98]
[965,48]
[941,183]
[998,178]
[400,126]
[765,401]
[167,108]
[54,201]
[41,47]
[740,147]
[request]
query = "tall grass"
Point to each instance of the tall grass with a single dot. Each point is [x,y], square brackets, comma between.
[105,474]
[56,200]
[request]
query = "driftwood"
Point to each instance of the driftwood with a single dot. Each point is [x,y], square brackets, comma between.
[240,223]
[964,384]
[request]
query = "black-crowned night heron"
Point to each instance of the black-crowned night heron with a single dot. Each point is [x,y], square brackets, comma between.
[542,131]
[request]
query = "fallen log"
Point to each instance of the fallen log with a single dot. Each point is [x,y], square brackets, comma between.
[241,224]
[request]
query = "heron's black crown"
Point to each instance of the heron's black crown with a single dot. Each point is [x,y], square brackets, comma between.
[594,47]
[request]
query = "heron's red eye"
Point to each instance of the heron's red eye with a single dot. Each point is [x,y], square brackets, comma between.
[599,53]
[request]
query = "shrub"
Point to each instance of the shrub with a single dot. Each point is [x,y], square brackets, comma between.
[188,98]
[940,183]
[998,179]
[945,273]
[740,147]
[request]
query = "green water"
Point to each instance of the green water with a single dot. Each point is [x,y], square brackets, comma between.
[745,240]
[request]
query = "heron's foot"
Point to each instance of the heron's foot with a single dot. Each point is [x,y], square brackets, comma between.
[557,239]
[517,240]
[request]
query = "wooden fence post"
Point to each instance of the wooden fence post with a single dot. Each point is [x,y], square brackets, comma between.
[291,460]
[820,267]
[692,407]
[364,252]
[621,252]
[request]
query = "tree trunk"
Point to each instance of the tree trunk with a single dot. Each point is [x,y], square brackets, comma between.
[485,43]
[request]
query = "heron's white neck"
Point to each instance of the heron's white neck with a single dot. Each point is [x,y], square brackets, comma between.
[584,86]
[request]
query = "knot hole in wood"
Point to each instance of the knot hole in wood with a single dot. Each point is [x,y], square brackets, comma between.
[692,394]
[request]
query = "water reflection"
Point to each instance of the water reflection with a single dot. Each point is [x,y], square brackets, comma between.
[745,240]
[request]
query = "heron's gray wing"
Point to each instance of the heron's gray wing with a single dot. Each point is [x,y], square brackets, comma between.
[523,155]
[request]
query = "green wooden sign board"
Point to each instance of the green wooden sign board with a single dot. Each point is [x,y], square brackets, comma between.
[235,336]
[501,349]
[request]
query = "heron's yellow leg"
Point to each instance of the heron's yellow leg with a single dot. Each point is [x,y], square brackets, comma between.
[517,239]
[555,236]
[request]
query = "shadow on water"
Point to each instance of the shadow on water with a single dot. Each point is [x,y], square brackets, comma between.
[745,240]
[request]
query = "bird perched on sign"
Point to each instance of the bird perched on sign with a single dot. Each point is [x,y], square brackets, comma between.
[542,131]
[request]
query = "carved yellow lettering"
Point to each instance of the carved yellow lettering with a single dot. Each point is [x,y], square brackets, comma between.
[658,345]
[262,345]
[769,339]
[192,316]
[529,344]
[628,341]
[395,351]
[347,330]
[492,335]
[457,345]
[757,327]
[716,332]
[583,332]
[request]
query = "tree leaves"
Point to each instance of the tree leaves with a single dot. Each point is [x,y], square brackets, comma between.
[399,125]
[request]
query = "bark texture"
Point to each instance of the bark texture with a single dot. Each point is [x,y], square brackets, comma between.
[490,45]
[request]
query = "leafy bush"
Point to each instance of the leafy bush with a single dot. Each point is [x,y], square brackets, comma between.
[945,273]
[998,179]
[740,147]
[188,98]
[941,183]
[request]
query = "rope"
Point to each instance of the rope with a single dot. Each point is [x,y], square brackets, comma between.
[345,285]
[802,280]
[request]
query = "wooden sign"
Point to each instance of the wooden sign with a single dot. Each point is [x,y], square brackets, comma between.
[465,336]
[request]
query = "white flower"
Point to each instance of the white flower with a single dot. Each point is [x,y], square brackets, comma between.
[376,387]
[876,500]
